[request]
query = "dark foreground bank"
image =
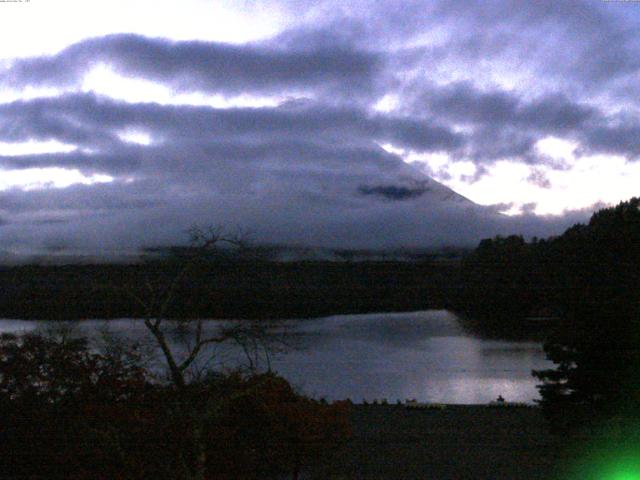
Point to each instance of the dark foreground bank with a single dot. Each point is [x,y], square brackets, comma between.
[459,442]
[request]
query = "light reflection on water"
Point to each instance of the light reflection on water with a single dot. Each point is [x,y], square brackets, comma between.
[423,355]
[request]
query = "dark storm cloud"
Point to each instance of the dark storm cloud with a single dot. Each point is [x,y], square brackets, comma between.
[565,60]
[501,207]
[580,44]
[204,66]
[615,139]
[94,122]
[529,208]
[465,103]
[539,178]
[504,124]
[49,221]
[81,199]
[127,160]
[393,192]
[476,176]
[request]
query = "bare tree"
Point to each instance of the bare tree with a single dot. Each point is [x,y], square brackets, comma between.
[156,301]
[259,341]
[158,298]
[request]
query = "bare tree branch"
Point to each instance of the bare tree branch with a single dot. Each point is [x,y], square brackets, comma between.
[159,298]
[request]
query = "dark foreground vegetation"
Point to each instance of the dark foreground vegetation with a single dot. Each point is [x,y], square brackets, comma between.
[67,412]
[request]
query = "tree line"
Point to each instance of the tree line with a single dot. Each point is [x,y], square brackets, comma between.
[588,279]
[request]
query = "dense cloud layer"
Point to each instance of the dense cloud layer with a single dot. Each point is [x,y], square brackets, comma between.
[475,81]
[202,66]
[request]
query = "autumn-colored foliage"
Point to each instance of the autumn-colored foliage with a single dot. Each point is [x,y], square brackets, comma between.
[69,412]
[267,429]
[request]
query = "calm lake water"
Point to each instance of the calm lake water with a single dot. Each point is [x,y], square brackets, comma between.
[422,355]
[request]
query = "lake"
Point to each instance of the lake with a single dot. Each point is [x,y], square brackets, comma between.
[423,355]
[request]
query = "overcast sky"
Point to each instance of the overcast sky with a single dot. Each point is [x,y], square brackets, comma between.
[355,124]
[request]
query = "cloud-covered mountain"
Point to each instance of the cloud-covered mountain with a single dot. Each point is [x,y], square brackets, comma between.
[311,136]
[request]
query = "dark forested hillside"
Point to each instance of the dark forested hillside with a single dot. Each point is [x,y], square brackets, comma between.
[595,348]
[507,279]
[588,279]
[229,289]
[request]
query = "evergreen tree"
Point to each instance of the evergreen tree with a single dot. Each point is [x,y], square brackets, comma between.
[596,349]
